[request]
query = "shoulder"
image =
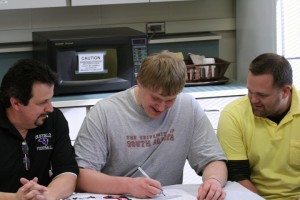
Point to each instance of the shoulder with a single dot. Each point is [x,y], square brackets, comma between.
[186,97]
[112,104]
[117,97]
[239,110]
[187,103]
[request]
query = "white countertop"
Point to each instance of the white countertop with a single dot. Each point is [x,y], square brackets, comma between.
[232,88]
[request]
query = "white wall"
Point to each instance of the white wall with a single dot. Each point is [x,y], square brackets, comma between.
[189,16]
[255,32]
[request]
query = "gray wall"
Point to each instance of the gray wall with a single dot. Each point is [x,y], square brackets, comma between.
[217,16]
[255,32]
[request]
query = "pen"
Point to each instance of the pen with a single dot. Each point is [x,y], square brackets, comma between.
[146,175]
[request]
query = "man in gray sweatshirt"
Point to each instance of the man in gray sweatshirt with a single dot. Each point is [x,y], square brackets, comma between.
[153,126]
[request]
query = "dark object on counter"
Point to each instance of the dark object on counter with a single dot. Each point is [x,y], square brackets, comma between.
[206,74]
[91,60]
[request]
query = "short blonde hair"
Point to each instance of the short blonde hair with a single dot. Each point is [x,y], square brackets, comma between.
[163,71]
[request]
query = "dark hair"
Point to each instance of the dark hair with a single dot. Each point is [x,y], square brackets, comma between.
[19,79]
[276,65]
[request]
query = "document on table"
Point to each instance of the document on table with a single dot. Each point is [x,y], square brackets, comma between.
[174,194]
[234,191]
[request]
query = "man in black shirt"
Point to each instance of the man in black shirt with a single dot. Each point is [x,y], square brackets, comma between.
[37,158]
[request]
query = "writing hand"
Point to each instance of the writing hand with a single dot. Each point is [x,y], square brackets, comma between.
[211,189]
[144,187]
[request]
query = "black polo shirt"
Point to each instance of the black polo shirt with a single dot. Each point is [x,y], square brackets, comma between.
[49,147]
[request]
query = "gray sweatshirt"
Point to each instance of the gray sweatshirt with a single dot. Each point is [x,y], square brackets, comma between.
[117,137]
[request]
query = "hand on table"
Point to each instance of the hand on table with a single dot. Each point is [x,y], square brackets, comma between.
[31,190]
[211,189]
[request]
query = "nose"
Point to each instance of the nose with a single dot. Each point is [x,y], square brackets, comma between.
[253,98]
[161,106]
[49,107]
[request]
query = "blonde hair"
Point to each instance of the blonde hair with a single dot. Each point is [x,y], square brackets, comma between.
[163,71]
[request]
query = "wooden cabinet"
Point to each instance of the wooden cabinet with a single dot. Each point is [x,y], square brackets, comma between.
[17,4]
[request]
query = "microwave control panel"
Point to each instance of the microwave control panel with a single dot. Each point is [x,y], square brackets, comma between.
[139,52]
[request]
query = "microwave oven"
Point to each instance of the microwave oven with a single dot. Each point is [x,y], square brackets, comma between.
[91,60]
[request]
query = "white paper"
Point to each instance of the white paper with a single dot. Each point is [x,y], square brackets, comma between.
[174,194]
[89,62]
[235,191]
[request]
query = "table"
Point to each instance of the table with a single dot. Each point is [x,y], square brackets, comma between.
[184,192]
[234,191]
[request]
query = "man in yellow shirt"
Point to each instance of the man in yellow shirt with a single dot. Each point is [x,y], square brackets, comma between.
[260,133]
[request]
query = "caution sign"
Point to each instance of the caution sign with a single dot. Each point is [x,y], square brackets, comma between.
[90,62]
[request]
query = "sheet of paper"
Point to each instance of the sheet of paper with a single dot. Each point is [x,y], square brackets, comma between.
[87,196]
[174,194]
[235,191]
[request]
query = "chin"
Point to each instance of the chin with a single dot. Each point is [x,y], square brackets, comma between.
[39,122]
[259,114]
[155,116]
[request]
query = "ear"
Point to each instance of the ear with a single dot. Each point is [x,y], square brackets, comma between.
[287,90]
[15,103]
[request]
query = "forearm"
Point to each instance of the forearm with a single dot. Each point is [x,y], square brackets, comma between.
[216,170]
[8,196]
[97,182]
[62,186]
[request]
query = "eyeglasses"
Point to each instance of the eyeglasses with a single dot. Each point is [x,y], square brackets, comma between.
[26,160]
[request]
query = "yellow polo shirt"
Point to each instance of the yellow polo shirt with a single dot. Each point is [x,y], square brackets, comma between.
[273,150]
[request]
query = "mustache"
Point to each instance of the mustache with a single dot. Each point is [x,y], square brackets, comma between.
[45,114]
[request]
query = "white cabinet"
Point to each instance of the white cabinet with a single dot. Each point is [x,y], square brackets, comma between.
[212,102]
[17,4]
[109,2]
[167,0]
[75,117]
[104,2]
[213,107]
[85,2]
[122,1]
[189,175]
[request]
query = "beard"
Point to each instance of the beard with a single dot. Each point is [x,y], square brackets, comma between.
[41,119]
